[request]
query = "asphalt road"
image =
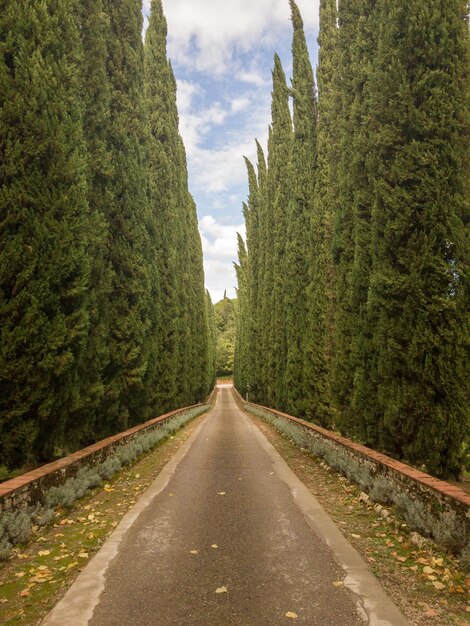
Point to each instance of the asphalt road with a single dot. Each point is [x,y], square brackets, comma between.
[224,543]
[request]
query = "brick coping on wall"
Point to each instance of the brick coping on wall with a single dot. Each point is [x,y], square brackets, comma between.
[10,486]
[441,486]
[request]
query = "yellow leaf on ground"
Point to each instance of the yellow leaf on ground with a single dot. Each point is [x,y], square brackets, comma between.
[194,552]
[292,615]
[338,583]
[44,552]
[214,545]
[221,590]
[428,570]
[221,493]
[19,574]
[355,536]
[25,593]
[439,586]
[83,555]
[137,475]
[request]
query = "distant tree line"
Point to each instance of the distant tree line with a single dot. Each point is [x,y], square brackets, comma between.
[104,319]
[225,326]
[353,284]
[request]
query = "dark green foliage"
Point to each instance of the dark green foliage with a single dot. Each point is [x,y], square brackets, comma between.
[321,284]
[242,348]
[180,328]
[211,370]
[45,229]
[278,195]
[96,222]
[354,294]
[128,220]
[95,99]
[225,321]
[419,296]
[302,229]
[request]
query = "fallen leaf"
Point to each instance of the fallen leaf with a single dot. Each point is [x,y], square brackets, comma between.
[221,493]
[83,555]
[23,556]
[338,583]
[221,590]
[137,476]
[439,586]
[72,565]
[20,574]
[44,552]
[25,593]
[355,536]
[3,600]
[428,570]
[214,545]
[43,568]
[292,615]
[194,552]
[41,539]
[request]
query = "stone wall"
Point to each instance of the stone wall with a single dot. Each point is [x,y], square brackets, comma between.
[31,487]
[434,507]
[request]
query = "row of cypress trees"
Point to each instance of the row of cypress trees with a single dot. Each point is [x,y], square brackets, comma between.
[354,280]
[104,320]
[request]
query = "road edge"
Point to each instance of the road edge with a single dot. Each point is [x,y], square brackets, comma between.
[79,602]
[373,603]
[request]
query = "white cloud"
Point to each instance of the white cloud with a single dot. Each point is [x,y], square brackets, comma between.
[219,242]
[205,34]
[240,104]
[252,77]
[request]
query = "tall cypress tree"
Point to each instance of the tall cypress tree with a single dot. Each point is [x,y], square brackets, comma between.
[129,220]
[161,103]
[95,98]
[251,214]
[261,303]
[300,218]
[241,344]
[212,344]
[421,256]
[182,342]
[321,289]
[279,157]
[44,228]
[351,245]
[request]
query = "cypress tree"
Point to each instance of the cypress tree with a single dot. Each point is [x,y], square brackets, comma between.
[279,157]
[251,214]
[241,345]
[181,326]
[95,97]
[161,103]
[44,229]
[212,344]
[299,218]
[261,303]
[319,340]
[351,245]
[129,221]
[421,257]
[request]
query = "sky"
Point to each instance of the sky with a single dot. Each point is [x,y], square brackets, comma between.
[222,55]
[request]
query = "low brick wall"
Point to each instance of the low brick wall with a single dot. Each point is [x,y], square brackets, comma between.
[437,496]
[30,488]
